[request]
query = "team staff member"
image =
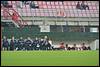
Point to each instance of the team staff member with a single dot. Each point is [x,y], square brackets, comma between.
[20,43]
[83,46]
[5,43]
[28,44]
[12,43]
[74,47]
[36,43]
[62,47]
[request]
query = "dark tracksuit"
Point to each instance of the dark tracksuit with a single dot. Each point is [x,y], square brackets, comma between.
[41,45]
[84,47]
[20,44]
[34,44]
[46,45]
[12,44]
[5,44]
[28,45]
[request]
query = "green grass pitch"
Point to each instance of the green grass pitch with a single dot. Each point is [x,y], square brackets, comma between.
[50,58]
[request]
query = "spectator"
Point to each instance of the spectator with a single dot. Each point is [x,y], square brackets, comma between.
[5,43]
[78,6]
[25,2]
[32,5]
[84,6]
[19,4]
[15,17]
[4,3]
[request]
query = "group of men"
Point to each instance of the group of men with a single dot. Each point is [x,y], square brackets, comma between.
[37,44]
[74,47]
[28,44]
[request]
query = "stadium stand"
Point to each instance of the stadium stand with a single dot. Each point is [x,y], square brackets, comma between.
[52,8]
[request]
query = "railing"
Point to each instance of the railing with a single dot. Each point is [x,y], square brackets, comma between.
[8,15]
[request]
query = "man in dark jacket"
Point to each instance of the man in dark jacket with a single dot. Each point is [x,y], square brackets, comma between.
[12,43]
[41,44]
[20,43]
[28,44]
[74,47]
[84,6]
[78,6]
[35,43]
[83,46]
[5,43]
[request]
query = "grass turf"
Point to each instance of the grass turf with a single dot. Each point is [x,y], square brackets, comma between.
[50,58]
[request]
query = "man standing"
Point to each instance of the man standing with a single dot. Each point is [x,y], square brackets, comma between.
[35,43]
[66,47]
[48,44]
[5,43]
[28,43]
[20,43]
[45,43]
[41,44]
[12,43]
[78,6]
